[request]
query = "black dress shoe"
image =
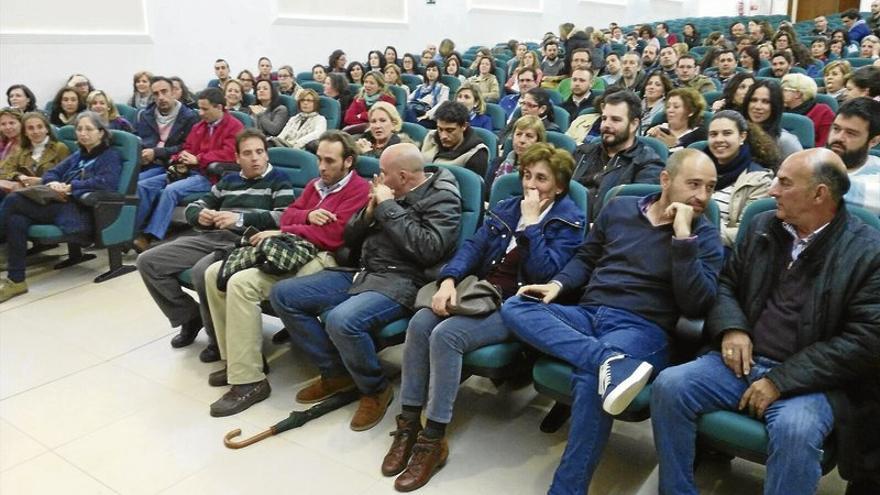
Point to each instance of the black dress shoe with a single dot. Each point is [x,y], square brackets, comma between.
[281,337]
[557,417]
[219,379]
[240,397]
[210,354]
[188,333]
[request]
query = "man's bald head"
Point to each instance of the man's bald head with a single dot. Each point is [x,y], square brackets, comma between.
[809,189]
[826,168]
[403,168]
[689,178]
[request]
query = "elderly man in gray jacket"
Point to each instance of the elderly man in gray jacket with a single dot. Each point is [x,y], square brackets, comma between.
[409,226]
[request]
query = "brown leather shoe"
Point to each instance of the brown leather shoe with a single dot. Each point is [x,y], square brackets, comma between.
[404,438]
[324,388]
[371,409]
[141,243]
[428,456]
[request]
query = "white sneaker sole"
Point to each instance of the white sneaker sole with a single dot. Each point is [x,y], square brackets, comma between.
[622,395]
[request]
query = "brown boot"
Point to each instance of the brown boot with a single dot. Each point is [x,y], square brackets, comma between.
[404,438]
[371,409]
[324,388]
[428,456]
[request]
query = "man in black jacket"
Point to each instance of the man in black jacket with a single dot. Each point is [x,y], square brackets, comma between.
[409,226]
[618,157]
[796,332]
[581,95]
[163,126]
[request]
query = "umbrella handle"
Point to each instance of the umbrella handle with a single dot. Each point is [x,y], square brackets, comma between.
[232,444]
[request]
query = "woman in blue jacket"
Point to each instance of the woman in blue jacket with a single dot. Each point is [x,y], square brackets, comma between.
[523,240]
[94,167]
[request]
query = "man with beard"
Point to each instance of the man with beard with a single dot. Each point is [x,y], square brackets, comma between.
[855,130]
[668,59]
[780,63]
[612,69]
[618,157]
[581,96]
[649,57]
[645,262]
[632,77]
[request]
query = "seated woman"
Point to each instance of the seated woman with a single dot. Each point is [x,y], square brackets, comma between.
[21,98]
[537,102]
[319,73]
[374,90]
[264,69]
[423,102]
[392,77]
[524,240]
[81,84]
[40,150]
[527,130]
[375,61]
[452,67]
[337,61]
[734,92]
[269,112]
[304,127]
[656,87]
[805,60]
[141,97]
[233,92]
[385,124]
[763,106]
[469,95]
[94,167]
[101,104]
[355,73]
[287,82]
[65,107]
[391,55]
[750,59]
[485,79]
[836,74]
[182,93]
[336,87]
[799,96]
[246,78]
[741,180]
[870,47]
[410,65]
[10,132]
[684,120]
[529,60]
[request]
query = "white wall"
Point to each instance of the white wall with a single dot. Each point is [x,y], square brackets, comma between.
[177,37]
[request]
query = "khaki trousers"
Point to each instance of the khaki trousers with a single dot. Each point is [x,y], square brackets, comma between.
[238,320]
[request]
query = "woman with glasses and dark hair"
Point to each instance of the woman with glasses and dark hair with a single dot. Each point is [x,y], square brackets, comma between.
[269,112]
[247,79]
[410,65]
[337,61]
[95,166]
[336,87]
[22,98]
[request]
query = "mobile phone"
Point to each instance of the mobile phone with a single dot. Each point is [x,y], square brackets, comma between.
[528,296]
[249,232]
[665,130]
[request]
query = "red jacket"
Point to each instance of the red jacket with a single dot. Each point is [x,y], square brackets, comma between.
[343,203]
[357,111]
[218,147]
[822,116]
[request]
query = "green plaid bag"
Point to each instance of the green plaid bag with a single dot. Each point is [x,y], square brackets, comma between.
[277,255]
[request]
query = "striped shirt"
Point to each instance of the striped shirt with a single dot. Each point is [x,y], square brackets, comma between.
[864,189]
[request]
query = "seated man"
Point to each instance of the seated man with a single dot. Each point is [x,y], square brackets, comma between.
[581,95]
[454,141]
[796,334]
[552,65]
[221,70]
[645,262]
[668,61]
[687,73]
[855,130]
[724,68]
[211,140]
[318,218]
[612,72]
[163,127]
[632,76]
[821,27]
[527,79]
[410,225]
[780,64]
[254,197]
[582,58]
[618,157]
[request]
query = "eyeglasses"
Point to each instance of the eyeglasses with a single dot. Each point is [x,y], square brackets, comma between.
[528,104]
[284,76]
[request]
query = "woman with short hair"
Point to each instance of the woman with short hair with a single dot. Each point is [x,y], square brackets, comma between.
[304,127]
[100,103]
[684,119]
[835,74]
[527,130]
[247,79]
[233,93]
[21,97]
[484,78]
[385,125]
[355,72]
[141,96]
[469,95]
[799,96]
[287,82]
[336,87]
[337,61]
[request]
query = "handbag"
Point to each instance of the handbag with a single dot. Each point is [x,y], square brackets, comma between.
[42,195]
[473,297]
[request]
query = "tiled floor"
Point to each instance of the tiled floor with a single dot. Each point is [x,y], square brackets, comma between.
[93,400]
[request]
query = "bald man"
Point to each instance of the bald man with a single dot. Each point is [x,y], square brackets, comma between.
[796,332]
[409,226]
[645,262]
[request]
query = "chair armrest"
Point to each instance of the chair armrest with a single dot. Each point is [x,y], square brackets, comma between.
[689,330]
[219,169]
[91,199]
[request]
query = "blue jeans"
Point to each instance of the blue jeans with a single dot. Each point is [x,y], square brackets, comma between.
[166,196]
[433,354]
[344,343]
[584,337]
[797,426]
[19,214]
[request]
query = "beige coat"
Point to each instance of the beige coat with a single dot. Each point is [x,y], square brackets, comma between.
[749,186]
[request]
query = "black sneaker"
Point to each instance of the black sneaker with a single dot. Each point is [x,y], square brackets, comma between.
[240,397]
[188,333]
[210,354]
[281,337]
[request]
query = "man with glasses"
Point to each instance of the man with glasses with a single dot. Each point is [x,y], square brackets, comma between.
[527,80]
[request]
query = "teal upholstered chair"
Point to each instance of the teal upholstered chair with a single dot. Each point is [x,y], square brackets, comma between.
[399,98]
[656,145]
[800,126]
[367,167]
[300,166]
[561,140]
[315,85]
[332,111]
[828,100]
[452,82]
[127,112]
[711,97]
[304,76]
[415,132]
[245,119]
[114,211]
[496,113]
[412,81]
[290,103]
[491,142]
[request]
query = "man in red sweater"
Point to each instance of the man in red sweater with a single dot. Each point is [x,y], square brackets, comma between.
[318,216]
[211,140]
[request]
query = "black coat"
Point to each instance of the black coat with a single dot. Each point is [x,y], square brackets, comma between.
[839,330]
[148,130]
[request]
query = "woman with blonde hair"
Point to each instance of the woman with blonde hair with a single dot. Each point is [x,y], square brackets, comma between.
[385,125]
[470,96]
[684,119]
[527,130]
[375,89]
[141,97]
[836,73]
[392,74]
[530,60]
[101,103]
[233,93]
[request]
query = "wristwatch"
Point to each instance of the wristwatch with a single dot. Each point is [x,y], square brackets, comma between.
[240,222]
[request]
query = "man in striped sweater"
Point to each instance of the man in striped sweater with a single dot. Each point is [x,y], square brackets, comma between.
[255,197]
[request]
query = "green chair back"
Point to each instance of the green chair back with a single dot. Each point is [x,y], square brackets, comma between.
[415,132]
[490,140]
[453,82]
[471,187]
[244,118]
[496,113]
[412,81]
[127,112]
[801,126]
[301,166]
